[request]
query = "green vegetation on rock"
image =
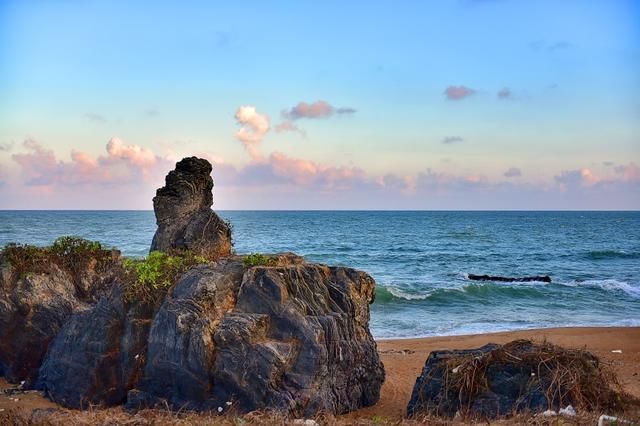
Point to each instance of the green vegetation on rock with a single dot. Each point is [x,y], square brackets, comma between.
[149,279]
[70,253]
[258,259]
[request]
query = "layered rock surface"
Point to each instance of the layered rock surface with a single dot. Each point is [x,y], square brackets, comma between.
[35,305]
[183,212]
[291,337]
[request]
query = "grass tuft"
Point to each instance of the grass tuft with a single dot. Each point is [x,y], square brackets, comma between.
[149,279]
[258,259]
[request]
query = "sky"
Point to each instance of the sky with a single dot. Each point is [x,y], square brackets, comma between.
[460,104]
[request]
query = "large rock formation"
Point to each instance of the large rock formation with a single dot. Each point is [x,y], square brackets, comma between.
[265,332]
[291,337]
[35,304]
[183,212]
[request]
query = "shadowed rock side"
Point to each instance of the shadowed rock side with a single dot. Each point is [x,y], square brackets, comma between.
[183,212]
[291,337]
[98,355]
[34,306]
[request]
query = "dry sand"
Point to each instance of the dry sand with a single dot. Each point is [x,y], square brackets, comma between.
[404,358]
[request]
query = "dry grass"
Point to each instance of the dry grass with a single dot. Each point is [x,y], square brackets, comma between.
[566,376]
[117,417]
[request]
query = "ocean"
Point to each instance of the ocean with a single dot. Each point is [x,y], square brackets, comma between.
[421,260]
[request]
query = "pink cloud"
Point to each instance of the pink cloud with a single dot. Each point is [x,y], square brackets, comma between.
[289,126]
[141,157]
[318,109]
[629,172]
[123,163]
[456,93]
[305,172]
[254,127]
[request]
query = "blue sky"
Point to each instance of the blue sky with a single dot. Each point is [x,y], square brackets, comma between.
[420,105]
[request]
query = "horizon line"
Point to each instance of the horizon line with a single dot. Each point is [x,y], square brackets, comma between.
[336,210]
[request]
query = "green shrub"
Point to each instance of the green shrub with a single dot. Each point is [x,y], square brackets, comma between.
[149,279]
[69,246]
[70,253]
[26,258]
[258,259]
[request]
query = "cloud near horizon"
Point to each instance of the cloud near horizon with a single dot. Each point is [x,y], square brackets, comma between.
[448,140]
[134,172]
[513,172]
[123,164]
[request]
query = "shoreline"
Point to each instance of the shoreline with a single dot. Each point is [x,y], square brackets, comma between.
[514,330]
[404,358]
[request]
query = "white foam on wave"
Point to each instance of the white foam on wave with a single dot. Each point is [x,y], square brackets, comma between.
[607,285]
[396,292]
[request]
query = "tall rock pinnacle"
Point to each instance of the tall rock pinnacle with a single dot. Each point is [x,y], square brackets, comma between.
[183,212]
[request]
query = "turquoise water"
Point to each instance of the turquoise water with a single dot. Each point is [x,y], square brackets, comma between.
[420,260]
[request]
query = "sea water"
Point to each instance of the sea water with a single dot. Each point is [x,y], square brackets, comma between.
[421,260]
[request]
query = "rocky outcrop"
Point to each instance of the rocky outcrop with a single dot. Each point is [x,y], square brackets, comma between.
[291,337]
[538,278]
[35,305]
[183,212]
[242,333]
[502,380]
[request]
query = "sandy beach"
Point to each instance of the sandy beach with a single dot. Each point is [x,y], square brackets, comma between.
[404,358]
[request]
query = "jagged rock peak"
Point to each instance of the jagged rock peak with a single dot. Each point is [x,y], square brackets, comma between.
[183,212]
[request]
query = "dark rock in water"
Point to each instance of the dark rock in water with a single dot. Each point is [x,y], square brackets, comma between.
[291,337]
[34,306]
[183,212]
[501,380]
[542,278]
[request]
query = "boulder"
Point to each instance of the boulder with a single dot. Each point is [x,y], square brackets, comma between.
[35,305]
[183,212]
[290,336]
[501,380]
